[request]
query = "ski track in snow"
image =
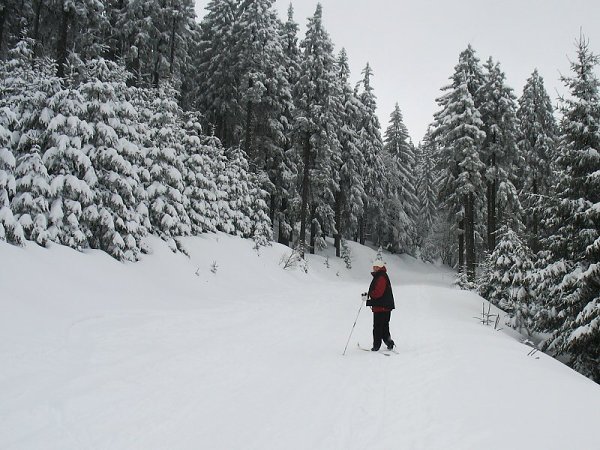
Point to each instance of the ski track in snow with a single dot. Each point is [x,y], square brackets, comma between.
[102,355]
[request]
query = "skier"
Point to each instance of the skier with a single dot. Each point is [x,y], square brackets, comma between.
[381,301]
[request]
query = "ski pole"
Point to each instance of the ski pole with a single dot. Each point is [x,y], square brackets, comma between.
[352,330]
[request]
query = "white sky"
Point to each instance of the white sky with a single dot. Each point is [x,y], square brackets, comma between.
[413,46]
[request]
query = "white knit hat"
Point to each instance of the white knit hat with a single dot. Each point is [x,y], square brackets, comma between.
[378,263]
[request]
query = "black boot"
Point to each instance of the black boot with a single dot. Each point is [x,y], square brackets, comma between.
[390,345]
[375,348]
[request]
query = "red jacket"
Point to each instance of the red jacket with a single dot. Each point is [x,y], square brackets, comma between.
[378,290]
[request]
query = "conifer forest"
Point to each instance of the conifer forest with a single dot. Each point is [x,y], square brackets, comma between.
[121,119]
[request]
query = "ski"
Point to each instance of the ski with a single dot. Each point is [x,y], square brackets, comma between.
[380,352]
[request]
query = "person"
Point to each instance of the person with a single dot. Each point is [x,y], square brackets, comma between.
[381,300]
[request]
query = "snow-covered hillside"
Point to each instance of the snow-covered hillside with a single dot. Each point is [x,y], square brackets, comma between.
[226,350]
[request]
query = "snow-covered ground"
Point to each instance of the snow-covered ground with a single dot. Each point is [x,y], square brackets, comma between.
[166,354]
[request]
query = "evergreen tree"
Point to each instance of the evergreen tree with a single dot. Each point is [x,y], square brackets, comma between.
[499,152]
[428,205]
[266,95]
[288,166]
[350,195]
[201,177]
[374,176]
[458,135]
[218,84]
[26,85]
[315,121]
[401,207]
[10,229]
[117,221]
[77,26]
[14,14]
[164,161]
[537,144]
[575,239]
[72,175]
[506,280]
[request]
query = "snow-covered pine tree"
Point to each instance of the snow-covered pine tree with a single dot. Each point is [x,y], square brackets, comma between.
[201,179]
[499,153]
[537,144]
[218,95]
[401,204]
[76,26]
[291,51]
[266,96]
[458,134]
[66,157]
[348,206]
[374,176]
[14,14]
[247,209]
[506,281]
[574,220]
[26,85]
[118,215]
[315,120]
[288,166]
[10,229]
[164,161]
[458,137]
[428,214]
[426,185]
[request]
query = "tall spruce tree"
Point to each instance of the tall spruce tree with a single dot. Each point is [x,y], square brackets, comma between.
[575,219]
[499,152]
[350,194]
[458,132]
[401,205]
[287,205]
[217,94]
[266,96]
[374,178]
[314,123]
[428,213]
[537,140]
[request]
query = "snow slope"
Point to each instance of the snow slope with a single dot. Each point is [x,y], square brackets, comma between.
[165,354]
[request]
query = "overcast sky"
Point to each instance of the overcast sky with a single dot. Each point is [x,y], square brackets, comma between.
[413,45]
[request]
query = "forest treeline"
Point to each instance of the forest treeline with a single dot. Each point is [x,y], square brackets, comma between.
[123,118]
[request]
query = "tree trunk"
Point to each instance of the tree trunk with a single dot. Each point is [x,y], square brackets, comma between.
[535,225]
[173,47]
[470,236]
[249,114]
[61,45]
[156,71]
[36,21]
[3,14]
[492,189]
[491,215]
[361,230]
[338,223]
[248,138]
[283,237]
[313,227]
[305,191]
[461,244]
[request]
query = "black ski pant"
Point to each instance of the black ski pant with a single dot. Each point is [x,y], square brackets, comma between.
[381,328]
